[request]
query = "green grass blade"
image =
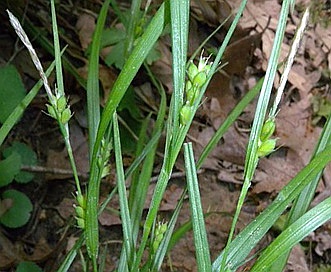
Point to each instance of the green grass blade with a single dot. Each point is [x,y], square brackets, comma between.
[294,234]
[174,144]
[131,67]
[71,255]
[301,204]
[138,189]
[261,108]
[135,185]
[303,201]
[143,181]
[179,11]
[57,51]
[179,26]
[137,192]
[124,207]
[247,239]
[118,12]
[144,153]
[180,139]
[19,110]
[198,222]
[251,159]
[93,97]
[133,21]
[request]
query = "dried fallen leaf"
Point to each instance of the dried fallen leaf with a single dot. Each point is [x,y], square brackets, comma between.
[85,27]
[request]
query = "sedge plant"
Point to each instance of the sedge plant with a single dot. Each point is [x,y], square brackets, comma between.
[190,80]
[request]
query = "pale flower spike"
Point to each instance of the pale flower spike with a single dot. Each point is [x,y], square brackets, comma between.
[197,77]
[290,59]
[203,62]
[24,38]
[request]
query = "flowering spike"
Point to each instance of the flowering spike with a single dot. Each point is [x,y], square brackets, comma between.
[159,234]
[80,210]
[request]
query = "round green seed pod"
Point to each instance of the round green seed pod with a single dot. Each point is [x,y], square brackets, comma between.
[157,241]
[51,111]
[267,130]
[80,222]
[80,212]
[266,147]
[163,228]
[192,71]
[61,103]
[200,79]
[185,114]
[81,200]
[188,86]
[65,116]
[191,95]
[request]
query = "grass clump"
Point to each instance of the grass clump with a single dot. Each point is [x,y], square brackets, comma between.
[190,81]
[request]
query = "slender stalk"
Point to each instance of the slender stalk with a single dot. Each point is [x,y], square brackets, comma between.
[251,155]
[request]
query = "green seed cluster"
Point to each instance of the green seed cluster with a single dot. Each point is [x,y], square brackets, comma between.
[159,233]
[103,160]
[267,145]
[80,210]
[59,109]
[197,77]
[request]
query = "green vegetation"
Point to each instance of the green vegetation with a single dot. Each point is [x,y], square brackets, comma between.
[145,246]
[15,207]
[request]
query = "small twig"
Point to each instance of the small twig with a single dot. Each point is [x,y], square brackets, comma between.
[51,170]
[176,175]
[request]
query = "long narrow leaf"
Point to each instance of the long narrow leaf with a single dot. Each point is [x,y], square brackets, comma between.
[294,234]
[130,29]
[137,190]
[93,97]
[179,11]
[261,108]
[71,255]
[198,222]
[174,144]
[56,42]
[247,239]
[123,81]
[124,207]
[251,159]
